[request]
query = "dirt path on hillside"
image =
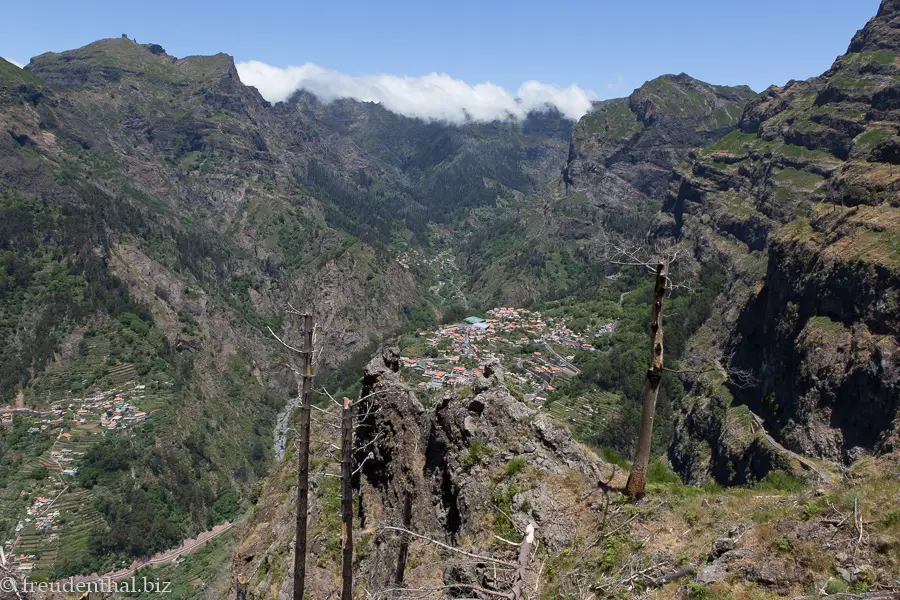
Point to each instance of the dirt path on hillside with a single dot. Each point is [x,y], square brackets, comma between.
[807,463]
[161,558]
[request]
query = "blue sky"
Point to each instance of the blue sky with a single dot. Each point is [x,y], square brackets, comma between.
[606,46]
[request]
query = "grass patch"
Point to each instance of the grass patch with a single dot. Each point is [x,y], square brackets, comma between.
[478,452]
[515,466]
[799,179]
[871,138]
[613,457]
[736,142]
[780,481]
[660,473]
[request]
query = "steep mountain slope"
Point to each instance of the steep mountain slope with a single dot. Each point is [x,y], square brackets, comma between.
[112,257]
[440,165]
[158,217]
[613,183]
[635,142]
[802,205]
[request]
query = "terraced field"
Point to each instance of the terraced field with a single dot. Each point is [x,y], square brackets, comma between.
[60,381]
[585,412]
[62,527]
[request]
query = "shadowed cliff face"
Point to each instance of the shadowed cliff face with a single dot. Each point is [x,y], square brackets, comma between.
[803,204]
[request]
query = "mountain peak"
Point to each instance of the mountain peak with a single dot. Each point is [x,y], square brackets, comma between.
[882,32]
[113,59]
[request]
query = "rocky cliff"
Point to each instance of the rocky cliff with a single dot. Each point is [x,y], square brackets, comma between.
[802,205]
[457,472]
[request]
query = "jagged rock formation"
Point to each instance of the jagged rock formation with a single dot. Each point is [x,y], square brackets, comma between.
[452,472]
[803,205]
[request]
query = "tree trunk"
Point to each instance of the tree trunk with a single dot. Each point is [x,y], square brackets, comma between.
[524,560]
[303,459]
[347,500]
[638,477]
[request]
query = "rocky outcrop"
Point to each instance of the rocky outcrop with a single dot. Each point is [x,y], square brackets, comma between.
[881,32]
[458,472]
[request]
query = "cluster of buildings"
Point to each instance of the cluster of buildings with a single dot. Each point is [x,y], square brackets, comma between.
[109,408]
[447,371]
[459,352]
[75,422]
[43,518]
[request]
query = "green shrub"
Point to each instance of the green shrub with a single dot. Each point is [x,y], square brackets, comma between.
[837,586]
[613,457]
[478,452]
[782,546]
[515,466]
[659,472]
[891,517]
[780,481]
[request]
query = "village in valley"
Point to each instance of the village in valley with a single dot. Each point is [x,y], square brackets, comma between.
[534,348]
[45,502]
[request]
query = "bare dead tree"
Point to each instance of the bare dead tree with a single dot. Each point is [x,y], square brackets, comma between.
[344,419]
[304,379]
[637,479]
[629,256]
[660,264]
[347,500]
[524,562]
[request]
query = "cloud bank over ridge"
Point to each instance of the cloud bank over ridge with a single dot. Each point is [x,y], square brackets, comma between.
[433,97]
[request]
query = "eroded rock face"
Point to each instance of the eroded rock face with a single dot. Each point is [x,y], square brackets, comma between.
[881,33]
[717,442]
[827,354]
[392,483]
[802,206]
[457,473]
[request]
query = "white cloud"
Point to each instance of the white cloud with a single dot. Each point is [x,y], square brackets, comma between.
[433,97]
[15,62]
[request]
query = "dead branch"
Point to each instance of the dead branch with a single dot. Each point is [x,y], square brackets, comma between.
[664,579]
[524,562]
[451,548]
